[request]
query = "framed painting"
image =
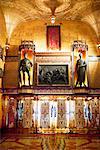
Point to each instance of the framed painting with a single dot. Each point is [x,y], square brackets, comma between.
[53,74]
[53,38]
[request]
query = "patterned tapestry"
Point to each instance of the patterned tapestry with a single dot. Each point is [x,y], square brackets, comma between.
[12,113]
[27,115]
[95,113]
[79,113]
[44,116]
[61,119]
[54,114]
[5,109]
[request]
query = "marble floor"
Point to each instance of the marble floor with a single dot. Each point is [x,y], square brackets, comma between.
[50,142]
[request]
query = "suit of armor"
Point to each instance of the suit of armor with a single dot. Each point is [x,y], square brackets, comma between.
[80,68]
[25,66]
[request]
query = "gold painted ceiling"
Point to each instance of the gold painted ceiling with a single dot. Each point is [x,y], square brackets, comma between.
[16,11]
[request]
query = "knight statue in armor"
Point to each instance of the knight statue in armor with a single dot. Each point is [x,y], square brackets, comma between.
[25,66]
[81,69]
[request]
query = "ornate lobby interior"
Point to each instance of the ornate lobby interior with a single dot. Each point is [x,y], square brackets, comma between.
[49,74]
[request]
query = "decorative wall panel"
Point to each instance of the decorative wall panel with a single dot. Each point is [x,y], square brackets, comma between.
[53,59]
[52,113]
[10,78]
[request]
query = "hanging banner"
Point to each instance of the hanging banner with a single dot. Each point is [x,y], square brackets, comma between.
[53,38]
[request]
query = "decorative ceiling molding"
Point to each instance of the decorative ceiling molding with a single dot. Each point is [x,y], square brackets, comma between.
[23,10]
[94,20]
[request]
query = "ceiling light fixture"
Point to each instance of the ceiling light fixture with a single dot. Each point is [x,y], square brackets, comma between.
[53,19]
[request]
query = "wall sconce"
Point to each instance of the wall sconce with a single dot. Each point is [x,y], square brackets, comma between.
[98,45]
[1,52]
[34,47]
[7,45]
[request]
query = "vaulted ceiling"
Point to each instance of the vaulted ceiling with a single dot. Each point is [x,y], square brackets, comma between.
[17,11]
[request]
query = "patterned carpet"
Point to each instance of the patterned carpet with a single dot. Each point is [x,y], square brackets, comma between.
[50,142]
